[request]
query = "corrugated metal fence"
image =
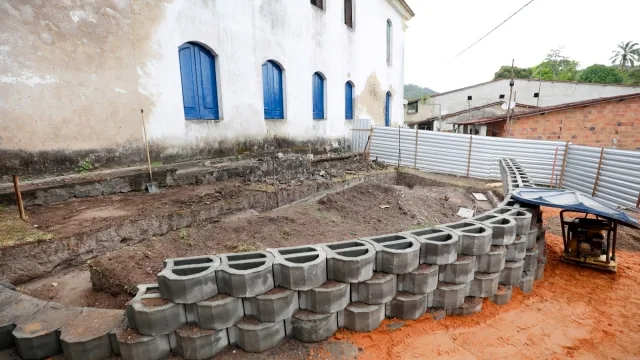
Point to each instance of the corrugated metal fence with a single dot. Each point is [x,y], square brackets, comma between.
[360,130]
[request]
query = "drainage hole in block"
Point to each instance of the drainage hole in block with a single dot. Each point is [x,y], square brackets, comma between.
[444,237]
[247,256]
[345,245]
[476,230]
[303,259]
[196,261]
[247,265]
[485,217]
[387,238]
[296,250]
[424,232]
[190,271]
[501,221]
[460,225]
[354,253]
[400,246]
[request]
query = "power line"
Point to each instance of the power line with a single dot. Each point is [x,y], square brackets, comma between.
[494,29]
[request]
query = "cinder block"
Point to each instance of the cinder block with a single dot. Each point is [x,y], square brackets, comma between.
[395,253]
[406,306]
[350,261]
[539,273]
[245,274]
[312,327]
[512,273]
[189,280]
[459,272]
[156,316]
[331,297]
[275,305]
[299,268]
[531,260]
[254,336]
[532,236]
[473,238]
[438,246]
[526,283]
[219,312]
[134,346]
[484,284]
[361,317]
[470,305]
[517,250]
[521,217]
[422,280]
[87,336]
[493,261]
[381,288]
[502,295]
[449,296]
[193,343]
[17,308]
[503,228]
[38,337]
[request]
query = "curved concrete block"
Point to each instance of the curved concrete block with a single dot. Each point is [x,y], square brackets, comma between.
[474,238]
[189,280]
[193,343]
[503,228]
[470,305]
[299,268]
[512,273]
[521,217]
[531,260]
[422,280]
[361,317]
[381,288]
[502,295]
[437,246]
[331,297]
[87,336]
[539,273]
[526,283]
[449,296]
[134,346]
[156,316]
[350,261]
[493,261]
[219,312]
[484,284]
[406,306]
[458,272]
[312,327]
[274,305]
[245,274]
[16,309]
[395,253]
[143,289]
[532,236]
[254,336]
[517,250]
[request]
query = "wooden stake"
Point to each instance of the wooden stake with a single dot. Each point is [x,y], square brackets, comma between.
[595,183]
[16,188]
[564,163]
[553,169]
[469,157]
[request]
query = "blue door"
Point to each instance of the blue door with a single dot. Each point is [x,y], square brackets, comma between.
[272,90]
[348,101]
[318,97]
[199,88]
[387,110]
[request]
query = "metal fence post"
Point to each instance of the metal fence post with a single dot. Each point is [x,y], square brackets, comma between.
[564,163]
[595,183]
[469,157]
[415,153]
[399,153]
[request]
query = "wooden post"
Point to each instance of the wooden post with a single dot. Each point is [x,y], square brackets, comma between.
[553,169]
[415,154]
[16,188]
[638,201]
[564,163]
[469,157]
[595,183]
[399,153]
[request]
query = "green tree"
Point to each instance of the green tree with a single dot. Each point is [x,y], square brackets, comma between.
[626,54]
[633,76]
[518,73]
[556,67]
[601,74]
[412,91]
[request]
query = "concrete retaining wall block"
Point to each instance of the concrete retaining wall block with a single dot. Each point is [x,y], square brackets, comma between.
[193,343]
[438,246]
[470,305]
[350,261]
[361,317]
[493,261]
[329,298]
[395,253]
[474,238]
[87,336]
[503,228]
[156,316]
[531,259]
[539,273]
[219,312]
[134,346]
[484,284]
[406,306]
[517,250]
[381,288]
[310,327]
[521,217]
[299,268]
[422,280]
[459,272]
[245,274]
[526,283]
[17,308]
[449,296]
[532,236]
[143,289]
[502,295]
[251,335]
[275,305]
[189,280]
[512,273]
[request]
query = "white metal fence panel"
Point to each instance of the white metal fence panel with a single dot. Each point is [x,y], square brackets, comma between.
[580,170]
[360,130]
[619,181]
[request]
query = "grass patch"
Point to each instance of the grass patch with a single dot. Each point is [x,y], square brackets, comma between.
[15,231]
[239,248]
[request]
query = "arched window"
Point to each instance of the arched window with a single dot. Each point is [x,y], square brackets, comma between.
[318,96]
[272,90]
[348,100]
[387,109]
[199,87]
[389,41]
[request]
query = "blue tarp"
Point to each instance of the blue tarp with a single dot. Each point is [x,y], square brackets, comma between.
[573,201]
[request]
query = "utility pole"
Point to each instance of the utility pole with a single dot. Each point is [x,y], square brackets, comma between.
[511,83]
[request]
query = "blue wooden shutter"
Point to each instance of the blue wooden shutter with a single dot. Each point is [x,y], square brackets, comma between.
[188,78]
[318,97]
[387,118]
[266,91]
[208,99]
[272,91]
[348,101]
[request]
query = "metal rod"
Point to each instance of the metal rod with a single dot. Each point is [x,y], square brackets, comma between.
[399,153]
[16,188]
[415,154]
[509,103]
[564,163]
[595,183]
[469,157]
[553,169]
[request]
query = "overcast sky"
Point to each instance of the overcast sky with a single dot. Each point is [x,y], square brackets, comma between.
[588,29]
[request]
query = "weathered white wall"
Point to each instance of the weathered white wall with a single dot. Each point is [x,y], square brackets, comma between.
[74,74]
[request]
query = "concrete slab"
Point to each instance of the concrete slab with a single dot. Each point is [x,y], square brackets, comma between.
[531,260]
[474,238]
[193,343]
[329,298]
[312,327]
[254,336]
[512,273]
[189,280]
[381,288]
[437,246]
[484,284]
[350,261]
[502,295]
[245,274]
[361,317]
[395,253]
[406,306]
[459,272]
[275,305]
[493,261]
[219,312]
[449,296]
[526,283]
[87,336]
[134,346]
[517,250]
[471,305]
[422,280]
[503,228]
[156,316]
[299,268]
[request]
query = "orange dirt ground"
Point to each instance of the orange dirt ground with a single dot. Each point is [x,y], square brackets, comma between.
[573,312]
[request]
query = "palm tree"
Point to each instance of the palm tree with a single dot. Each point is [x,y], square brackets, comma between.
[627,54]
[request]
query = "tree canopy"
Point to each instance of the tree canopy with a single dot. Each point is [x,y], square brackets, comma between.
[412,91]
[627,54]
[601,74]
